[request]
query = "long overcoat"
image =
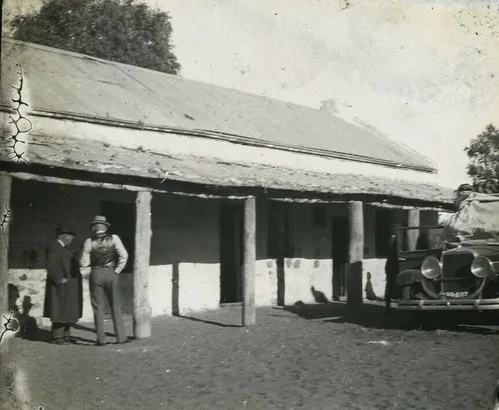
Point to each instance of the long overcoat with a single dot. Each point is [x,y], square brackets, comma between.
[63,302]
[391,268]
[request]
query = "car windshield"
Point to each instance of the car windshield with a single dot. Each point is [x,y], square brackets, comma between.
[420,238]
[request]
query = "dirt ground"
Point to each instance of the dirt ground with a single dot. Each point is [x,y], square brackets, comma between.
[308,357]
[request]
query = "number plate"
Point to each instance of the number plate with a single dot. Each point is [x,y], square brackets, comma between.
[454,294]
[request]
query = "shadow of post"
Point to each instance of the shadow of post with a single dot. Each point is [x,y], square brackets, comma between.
[281,282]
[175,289]
[209,322]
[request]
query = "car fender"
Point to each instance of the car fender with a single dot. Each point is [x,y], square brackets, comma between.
[409,277]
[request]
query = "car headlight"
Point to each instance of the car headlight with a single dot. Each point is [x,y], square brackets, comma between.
[431,268]
[481,267]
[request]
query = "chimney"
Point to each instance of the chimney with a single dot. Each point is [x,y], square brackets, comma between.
[329,105]
[339,108]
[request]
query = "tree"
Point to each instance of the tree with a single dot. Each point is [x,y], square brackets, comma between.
[124,31]
[483,153]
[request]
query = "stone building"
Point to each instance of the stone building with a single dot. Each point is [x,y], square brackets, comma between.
[220,196]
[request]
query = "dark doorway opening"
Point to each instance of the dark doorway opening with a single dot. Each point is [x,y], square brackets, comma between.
[385,218]
[278,242]
[340,238]
[122,218]
[231,252]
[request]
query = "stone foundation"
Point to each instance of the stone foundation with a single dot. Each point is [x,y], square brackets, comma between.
[31,286]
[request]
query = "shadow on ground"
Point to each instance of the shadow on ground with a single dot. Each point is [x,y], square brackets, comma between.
[209,322]
[375,316]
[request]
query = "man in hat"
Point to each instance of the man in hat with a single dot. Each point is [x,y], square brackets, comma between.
[391,270]
[104,257]
[63,291]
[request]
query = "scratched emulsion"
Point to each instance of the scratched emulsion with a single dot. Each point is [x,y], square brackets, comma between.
[15,394]
[425,72]
[10,325]
[5,220]
[13,381]
[21,124]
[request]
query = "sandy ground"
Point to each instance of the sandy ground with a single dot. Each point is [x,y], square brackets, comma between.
[309,357]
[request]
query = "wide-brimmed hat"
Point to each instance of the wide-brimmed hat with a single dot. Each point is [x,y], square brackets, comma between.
[99,219]
[64,229]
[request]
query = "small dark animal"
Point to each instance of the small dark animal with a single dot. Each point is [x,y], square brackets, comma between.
[319,296]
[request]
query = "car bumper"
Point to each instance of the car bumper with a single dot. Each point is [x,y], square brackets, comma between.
[449,304]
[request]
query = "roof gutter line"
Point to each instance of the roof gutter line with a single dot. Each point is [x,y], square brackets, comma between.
[137,125]
[52,174]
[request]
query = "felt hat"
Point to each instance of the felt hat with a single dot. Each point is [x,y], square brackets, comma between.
[99,219]
[64,229]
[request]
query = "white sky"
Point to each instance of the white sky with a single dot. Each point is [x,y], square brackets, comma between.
[425,72]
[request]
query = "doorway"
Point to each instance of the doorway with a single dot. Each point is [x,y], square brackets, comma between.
[231,252]
[121,216]
[340,238]
[278,242]
[385,218]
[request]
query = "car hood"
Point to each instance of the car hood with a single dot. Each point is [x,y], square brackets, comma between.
[479,247]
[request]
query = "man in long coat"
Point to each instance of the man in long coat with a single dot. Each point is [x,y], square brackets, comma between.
[391,271]
[63,294]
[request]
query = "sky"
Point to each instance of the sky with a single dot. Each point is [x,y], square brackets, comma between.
[424,72]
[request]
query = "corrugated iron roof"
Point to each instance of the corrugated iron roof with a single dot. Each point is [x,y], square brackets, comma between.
[101,157]
[61,81]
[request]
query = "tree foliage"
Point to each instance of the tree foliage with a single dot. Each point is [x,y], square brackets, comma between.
[483,153]
[125,31]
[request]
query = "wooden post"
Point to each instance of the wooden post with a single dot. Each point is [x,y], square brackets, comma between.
[356,253]
[141,307]
[249,312]
[413,219]
[5,220]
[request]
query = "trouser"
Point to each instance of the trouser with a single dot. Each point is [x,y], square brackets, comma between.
[388,298]
[390,290]
[104,282]
[61,330]
[337,282]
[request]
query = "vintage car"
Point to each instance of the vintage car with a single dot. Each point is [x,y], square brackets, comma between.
[457,274]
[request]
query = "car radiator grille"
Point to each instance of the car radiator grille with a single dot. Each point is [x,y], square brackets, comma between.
[456,275]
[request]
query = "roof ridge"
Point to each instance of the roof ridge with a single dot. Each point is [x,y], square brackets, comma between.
[173,76]
[135,67]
